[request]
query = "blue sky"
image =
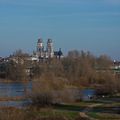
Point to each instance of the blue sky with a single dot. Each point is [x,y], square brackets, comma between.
[92,25]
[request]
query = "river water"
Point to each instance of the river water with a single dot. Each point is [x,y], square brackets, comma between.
[20,89]
[14,89]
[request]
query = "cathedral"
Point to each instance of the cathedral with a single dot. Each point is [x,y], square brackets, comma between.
[43,52]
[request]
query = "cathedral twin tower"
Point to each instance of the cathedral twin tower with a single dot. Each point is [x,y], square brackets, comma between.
[45,53]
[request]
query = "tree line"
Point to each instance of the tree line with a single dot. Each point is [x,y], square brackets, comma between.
[78,68]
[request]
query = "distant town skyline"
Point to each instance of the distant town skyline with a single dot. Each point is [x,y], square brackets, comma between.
[89,25]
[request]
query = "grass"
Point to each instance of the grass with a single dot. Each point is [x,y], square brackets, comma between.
[113,107]
[51,112]
[36,114]
[78,106]
[104,116]
[69,107]
[59,112]
[85,103]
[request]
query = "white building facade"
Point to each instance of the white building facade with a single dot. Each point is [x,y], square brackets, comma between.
[45,53]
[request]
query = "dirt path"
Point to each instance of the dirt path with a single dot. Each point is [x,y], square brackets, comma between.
[88,109]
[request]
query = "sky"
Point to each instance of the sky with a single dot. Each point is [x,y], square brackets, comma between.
[89,25]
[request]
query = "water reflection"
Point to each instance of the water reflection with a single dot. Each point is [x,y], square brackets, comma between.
[15,89]
[18,104]
[88,94]
[19,89]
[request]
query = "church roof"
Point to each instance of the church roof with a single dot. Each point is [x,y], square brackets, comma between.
[40,40]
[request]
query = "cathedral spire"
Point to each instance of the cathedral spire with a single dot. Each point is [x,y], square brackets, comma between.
[49,48]
[40,48]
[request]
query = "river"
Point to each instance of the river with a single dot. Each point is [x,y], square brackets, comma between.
[12,90]
[20,89]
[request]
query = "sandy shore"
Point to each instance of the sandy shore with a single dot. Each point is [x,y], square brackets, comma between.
[12,98]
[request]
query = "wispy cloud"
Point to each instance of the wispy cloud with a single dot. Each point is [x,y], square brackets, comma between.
[39,2]
[87,1]
[43,2]
[20,2]
[87,14]
[113,1]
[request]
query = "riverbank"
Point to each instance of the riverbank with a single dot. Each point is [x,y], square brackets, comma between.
[73,111]
[89,110]
[33,113]
[18,98]
[13,81]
